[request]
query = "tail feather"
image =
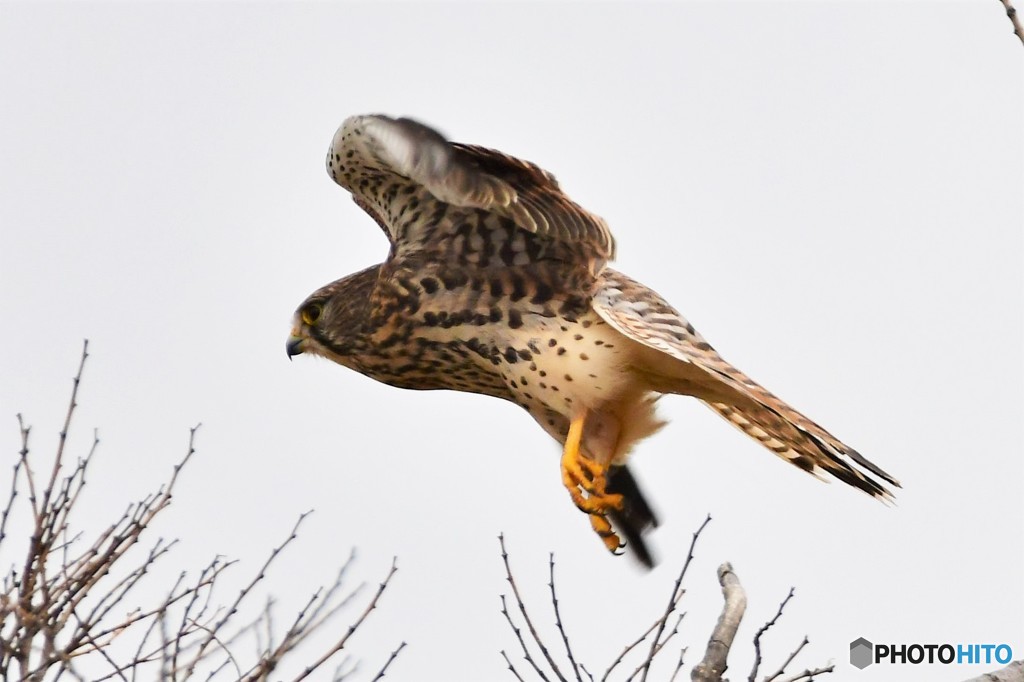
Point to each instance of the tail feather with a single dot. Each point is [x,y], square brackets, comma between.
[803,443]
[636,517]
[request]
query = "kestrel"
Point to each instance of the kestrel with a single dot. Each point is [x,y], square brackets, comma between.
[497,283]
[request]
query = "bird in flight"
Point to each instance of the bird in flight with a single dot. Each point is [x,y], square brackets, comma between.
[497,283]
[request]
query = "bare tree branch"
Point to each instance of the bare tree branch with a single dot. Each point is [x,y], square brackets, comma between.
[710,669]
[64,604]
[522,642]
[511,667]
[1011,12]
[778,673]
[392,657]
[526,616]
[558,618]
[677,594]
[340,644]
[714,664]
[679,665]
[659,645]
[808,675]
[763,629]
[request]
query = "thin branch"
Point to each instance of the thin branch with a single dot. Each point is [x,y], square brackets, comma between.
[511,667]
[679,665]
[392,657]
[808,675]
[558,617]
[763,629]
[629,647]
[212,632]
[677,594]
[340,644]
[658,648]
[526,616]
[715,657]
[245,591]
[341,674]
[58,460]
[319,608]
[522,642]
[778,673]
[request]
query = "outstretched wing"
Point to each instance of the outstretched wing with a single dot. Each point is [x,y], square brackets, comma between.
[686,363]
[419,187]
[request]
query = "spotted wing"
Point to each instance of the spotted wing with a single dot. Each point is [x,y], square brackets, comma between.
[409,178]
[686,363]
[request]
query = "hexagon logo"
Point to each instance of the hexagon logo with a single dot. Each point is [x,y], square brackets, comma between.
[861,653]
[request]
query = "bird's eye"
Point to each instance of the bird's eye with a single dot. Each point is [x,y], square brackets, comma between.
[311,313]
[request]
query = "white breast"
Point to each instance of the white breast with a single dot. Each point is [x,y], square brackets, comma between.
[568,366]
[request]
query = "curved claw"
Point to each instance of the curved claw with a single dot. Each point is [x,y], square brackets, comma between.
[608,536]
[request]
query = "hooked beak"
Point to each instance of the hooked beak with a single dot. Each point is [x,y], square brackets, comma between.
[294,346]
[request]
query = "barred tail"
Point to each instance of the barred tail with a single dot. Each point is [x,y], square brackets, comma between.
[803,443]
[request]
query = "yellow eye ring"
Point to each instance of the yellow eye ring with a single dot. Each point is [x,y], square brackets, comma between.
[311,313]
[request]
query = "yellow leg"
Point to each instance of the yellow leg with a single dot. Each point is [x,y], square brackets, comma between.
[582,475]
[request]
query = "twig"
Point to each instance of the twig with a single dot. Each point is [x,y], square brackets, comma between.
[58,460]
[715,657]
[511,667]
[558,617]
[808,675]
[341,674]
[393,656]
[522,642]
[309,618]
[1011,12]
[778,673]
[526,616]
[677,594]
[243,593]
[763,629]
[679,665]
[340,644]
[629,647]
[658,648]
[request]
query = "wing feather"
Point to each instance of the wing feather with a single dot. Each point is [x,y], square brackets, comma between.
[394,166]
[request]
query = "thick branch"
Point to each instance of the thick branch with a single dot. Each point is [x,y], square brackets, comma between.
[1011,12]
[714,664]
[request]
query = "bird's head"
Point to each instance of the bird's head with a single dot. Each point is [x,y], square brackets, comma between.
[330,322]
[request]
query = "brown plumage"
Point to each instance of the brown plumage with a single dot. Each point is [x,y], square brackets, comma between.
[496,283]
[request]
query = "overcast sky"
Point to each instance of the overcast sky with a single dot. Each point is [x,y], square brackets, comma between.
[831,193]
